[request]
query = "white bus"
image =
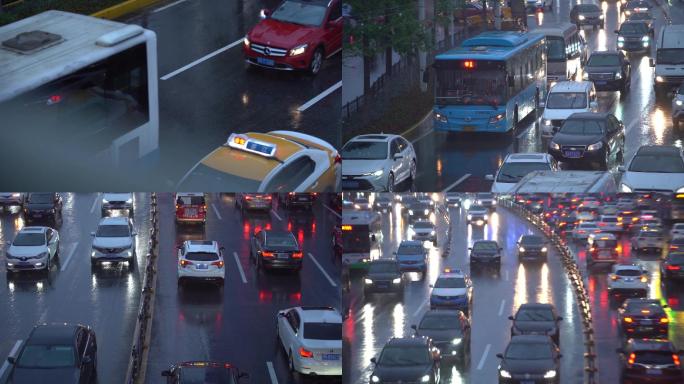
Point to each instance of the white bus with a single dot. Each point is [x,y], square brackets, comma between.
[361,238]
[76,89]
[566,51]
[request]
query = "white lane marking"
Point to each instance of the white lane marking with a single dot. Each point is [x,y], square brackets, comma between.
[216,211]
[484,357]
[457,182]
[322,270]
[506,275]
[501,307]
[332,210]
[169,6]
[92,207]
[417,139]
[419,309]
[242,273]
[202,59]
[276,215]
[271,372]
[5,365]
[320,97]
[68,259]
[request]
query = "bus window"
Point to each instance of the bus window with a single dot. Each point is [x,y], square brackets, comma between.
[556,49]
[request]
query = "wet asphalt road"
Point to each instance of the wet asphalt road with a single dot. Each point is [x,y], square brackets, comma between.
[107,300]
[201,106]
[237,323]
[495,297]
[453,162]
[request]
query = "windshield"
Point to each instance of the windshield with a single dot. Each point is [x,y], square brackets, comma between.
[112,231]
[476,87]
[588,8]
[206,375]
[531,240]
[383,268]
[670,56]
[410,250]
[450,282]
[582,127]
[300,12]
[555,49]
[657,164]
[536,314]
[528,351]
[47,356]
[190,200]
[440,322]
[422,225]
[404,355]
[566,100]
[604,61]
[323,331]
[485,246]
[40,198]
[654,357]
[513,172]
[28,239]
[640,16]
[275,239]
[634,28]
[201,256]
[210,179]
[364,150]
[356,241]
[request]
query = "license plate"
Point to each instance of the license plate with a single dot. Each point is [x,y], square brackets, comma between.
[604,253]
[350,184]
[302,199]
[264,61]
[527,382]
[37,215]
[468,128]
[382,285]
[629,279]
[646,329]
[572,154]
[283,256]
[191,212]
[600,82]
[202,266]
[654,371]
[331,357]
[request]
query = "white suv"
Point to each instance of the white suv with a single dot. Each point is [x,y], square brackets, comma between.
[564,99]
[628,279]
[516,165]
[33,248]
[312,339]
[201,261]
[377,162]
[113,242]
[117,201]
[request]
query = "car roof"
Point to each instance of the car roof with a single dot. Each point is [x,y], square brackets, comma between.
[374,137]
[571,86]
[201,246]
[660,150]
[407,341]
[319,314]
[33,229]
[114,220]
[531,339]
[535,306]
[416,243]
[588,116]
[56,333]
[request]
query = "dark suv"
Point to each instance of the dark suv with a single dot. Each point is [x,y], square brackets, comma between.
[589,138]
[42,206]
[587,14]
[609,71]
[634,36]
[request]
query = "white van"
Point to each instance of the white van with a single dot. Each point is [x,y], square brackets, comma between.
[669,60]
[564,99]
[566,51]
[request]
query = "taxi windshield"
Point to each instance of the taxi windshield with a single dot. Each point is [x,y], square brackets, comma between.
[450,282]
[209,179]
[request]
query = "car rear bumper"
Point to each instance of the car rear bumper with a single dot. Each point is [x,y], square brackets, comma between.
[190,220]
[208,275]
[281,263]
[315,367]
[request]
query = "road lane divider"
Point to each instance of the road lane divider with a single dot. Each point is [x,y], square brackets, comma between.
[169,6]
[333,211]
[239,267]
[330,280]
[5,365]
[271,372]
[480,365]
[216,211]
[202,59]
[92,207]
[319,97]
[457,182]
[69,256]
[501,307]
[276,215]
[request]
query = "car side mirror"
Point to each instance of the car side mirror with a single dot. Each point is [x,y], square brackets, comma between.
[373,238]
[134,233]
[560,355]
[281,314]
[510,317]
[264,13]
[559,318]
[92,234]
[432,285]
[593,105]
[11,359]
[489,177]
[621,168]
[499,355]
[414,327]
[542,104]
[222,249]
[470,248]
[651,62]
[627,62]
[374,360]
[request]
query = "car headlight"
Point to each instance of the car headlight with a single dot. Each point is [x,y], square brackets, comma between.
[456,341]
[581,17]
[550,374]
[554,145]
[521,249]
[601,16]
[441,117]
[544,249]
[246,41]
[595,146]
[645,38]
[470,216]
[680,190]
[129,253]
[397,280]
[432,232]
[298,50]
[625,188]
[585,75]
[368,281]
[410,211]
[16,195]
[618,75]
[679,102]
[484,217]
[377,173]
[375,379]
[547,122]
[505,374]
[426,212]
[39,264]
[105,201]
[425,379]
[659,79]
[620,38]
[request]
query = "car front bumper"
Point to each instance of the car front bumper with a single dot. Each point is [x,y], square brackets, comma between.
[269,263]
[364,183]
[282,63]
[16,265]
[585,156]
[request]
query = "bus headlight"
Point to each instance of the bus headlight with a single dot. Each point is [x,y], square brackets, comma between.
[441,118]
[497,118]
[554,145]
[595,146]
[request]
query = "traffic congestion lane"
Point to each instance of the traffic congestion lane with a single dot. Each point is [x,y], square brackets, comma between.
[107,300]
[237,323]
[495,297]
[215,95]
[448,162]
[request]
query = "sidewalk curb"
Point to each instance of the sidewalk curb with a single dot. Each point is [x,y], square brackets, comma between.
[129,6]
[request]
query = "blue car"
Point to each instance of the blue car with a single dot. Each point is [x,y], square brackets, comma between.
[412,257]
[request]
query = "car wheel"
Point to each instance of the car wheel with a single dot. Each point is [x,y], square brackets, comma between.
[413,171]
[316,61]
[675,123]
[390,183]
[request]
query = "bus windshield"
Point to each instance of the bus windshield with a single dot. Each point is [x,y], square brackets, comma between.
[482,87]
[555,49]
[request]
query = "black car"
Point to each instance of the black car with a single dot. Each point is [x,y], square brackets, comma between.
[419,211]
[297,200]
[449,331]
[649,361]
[636,6]
[203,372]
[383,275]
[532,247]
[382,202]
[408,360]
[672,268]
[587,14]
[643,318]
[536,319]
[485,252]
[643,17]
[589,138]
[533,358]
[42,206]
[272,249]
[56,353]
[609,71]
[634,37]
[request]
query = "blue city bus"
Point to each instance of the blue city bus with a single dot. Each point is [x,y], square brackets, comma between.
[490,82]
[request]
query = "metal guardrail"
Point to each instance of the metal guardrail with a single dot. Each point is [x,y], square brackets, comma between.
[575,276]
[144,323]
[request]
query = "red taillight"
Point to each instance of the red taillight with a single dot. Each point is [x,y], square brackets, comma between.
[267,197]
[297,255]
[267,254]
[673,247]
[54,99]
[592,249]
[676,359]
[581,231]
[673,267]
[248,197]
[631,358]
[184,263]
[614,277]
[218,263]
[628,320]
[305,353]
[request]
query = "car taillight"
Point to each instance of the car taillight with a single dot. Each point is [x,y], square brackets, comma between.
[581,231]
[248,197]
[267,254]
[614,277]
[602,224]
[305,353]
[675,358]
[184,263]
[631,358]
[664,320]
[267,197]
[592,249]
[218,263]
[297,255]
[673,247]
[597,231]
[672,267]
[628,320]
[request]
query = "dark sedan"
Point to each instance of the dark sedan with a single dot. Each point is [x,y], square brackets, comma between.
[650,361]
[643,318]
[56,353]
[634,37]
[643,17]
[485,252]
[672,268]
[383,276]
[536,319]
[589,138]
[609,71]
[532,358]
[419,211]
[276,250]
[449,330]
[532,248]
[587,14]
[42,206]
[203,372]
[408,360]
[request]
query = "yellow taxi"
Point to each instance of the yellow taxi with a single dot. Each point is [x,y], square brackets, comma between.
[277,161]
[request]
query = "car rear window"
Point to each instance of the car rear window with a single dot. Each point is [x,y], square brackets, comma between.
[280,240]
[323,331]
[628,272]
[47,356]
[654,357]
[201,256]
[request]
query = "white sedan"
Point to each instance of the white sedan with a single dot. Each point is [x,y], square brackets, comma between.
[312,339]
[654,168]
[628,279]
[677,230]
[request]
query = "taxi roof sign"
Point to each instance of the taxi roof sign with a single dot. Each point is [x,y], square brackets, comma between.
[346,227]
[247,144]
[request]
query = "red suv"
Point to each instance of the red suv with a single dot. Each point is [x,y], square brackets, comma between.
[296,35]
